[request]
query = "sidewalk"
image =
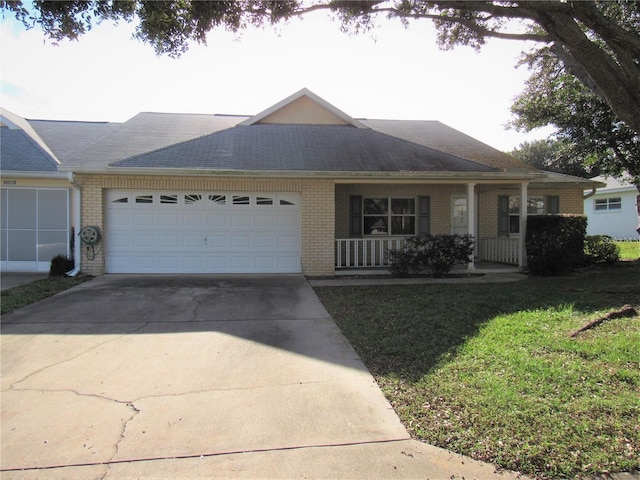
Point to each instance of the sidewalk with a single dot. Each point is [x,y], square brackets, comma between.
[389,280]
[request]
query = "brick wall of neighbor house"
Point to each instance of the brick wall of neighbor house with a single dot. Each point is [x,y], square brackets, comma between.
[317,209]
[570,202]
[440,202]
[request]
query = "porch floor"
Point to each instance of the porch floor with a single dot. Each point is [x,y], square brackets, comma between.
[480,267]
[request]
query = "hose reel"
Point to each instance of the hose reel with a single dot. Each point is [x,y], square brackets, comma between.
[90,236]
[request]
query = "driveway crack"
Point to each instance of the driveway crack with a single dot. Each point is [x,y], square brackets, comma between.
[15,384]
[123,433]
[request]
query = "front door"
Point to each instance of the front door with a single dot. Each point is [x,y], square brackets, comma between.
[459,215]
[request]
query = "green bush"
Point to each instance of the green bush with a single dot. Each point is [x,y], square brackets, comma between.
[60,265]
[437,254]
[403,262]
[555,243]
[601,249]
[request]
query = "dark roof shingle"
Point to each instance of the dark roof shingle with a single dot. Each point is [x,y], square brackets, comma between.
[18,152]
[316,148]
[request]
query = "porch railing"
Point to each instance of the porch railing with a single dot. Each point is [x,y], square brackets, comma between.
[499,250]
[365,252]
[373,252]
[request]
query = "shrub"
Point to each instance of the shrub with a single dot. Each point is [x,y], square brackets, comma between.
[601,249]
[60,265]
[436,254]
[403,262]
[555,243]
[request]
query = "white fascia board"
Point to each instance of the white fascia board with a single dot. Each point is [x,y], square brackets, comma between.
[338,176]
[8,174]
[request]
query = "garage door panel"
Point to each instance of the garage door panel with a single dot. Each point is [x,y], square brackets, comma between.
[192,220]
[287,262]
[240,241]
[172,220]
[168,241]
[206,232]
[169,263]
[262,220]
[217,220]
[265,262]
[265,241]
[240,220]
[144,263]
[143,241]
[119,219]
[143,220]
[217,241]
[288,242]
[216,263]
[290,221]
[192,241]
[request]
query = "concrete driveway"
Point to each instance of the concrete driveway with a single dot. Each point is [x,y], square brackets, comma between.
[198,377]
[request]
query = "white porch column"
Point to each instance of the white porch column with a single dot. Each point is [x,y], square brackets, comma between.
[522,253]
[471,212]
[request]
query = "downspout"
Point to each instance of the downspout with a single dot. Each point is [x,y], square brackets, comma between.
[77,254]
[590,194]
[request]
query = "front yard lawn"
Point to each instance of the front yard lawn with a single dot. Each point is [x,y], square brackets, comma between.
[24,295]
[491,370]
[629,250]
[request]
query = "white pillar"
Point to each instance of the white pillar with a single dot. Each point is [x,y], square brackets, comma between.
[471,215]
[522,258]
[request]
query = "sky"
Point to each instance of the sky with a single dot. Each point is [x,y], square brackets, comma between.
[390,73]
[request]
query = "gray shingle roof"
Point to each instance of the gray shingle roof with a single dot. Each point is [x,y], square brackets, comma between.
[143,133]
[442,137]
[283,147]
[18,152]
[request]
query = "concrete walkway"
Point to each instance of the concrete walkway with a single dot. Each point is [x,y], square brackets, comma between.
[198,377]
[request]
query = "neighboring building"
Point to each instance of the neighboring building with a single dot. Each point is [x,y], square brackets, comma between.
[613,209]
[301,187]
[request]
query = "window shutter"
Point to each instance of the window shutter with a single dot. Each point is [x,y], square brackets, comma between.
[503,215]
[424,215]
[355,215]
[553,204]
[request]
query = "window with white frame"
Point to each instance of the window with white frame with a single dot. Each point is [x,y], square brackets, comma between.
[606,204]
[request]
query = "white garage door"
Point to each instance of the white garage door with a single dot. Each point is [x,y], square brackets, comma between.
[202,232]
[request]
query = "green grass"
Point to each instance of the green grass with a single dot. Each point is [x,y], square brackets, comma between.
[21,296]
[629,250]
[491,371]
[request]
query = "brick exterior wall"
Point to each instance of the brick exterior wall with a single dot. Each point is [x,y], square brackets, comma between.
[324,207]
[317,209]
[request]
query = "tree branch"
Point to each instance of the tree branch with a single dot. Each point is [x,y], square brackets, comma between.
[481,31]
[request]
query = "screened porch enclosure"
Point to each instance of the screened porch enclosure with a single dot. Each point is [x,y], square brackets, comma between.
[34,227]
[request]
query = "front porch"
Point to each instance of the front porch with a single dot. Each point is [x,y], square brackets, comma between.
[372,254]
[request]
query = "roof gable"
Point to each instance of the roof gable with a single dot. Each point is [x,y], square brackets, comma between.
[303,107]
